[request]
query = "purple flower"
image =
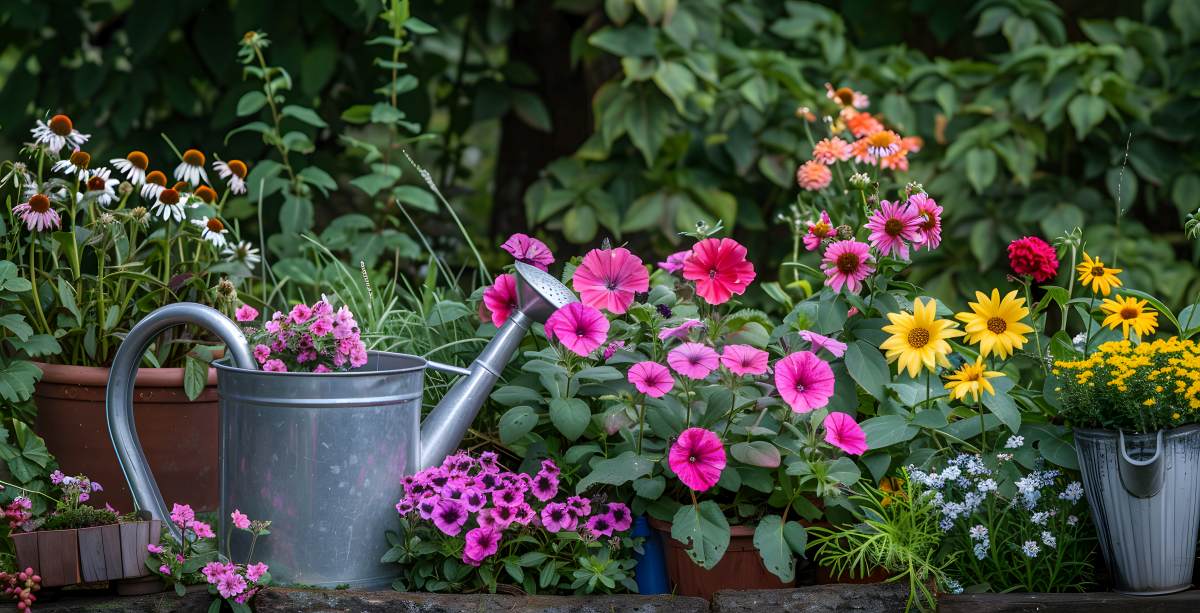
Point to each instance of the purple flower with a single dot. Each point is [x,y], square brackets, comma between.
[449,516]
[621,518]
[474,499]
[579,505]
[556,517]
[56,477]
[549,467]
[509,496]
[154,548]
[545,486]
[254,572]
[502,517]
[164,569]
[480,543]
[426,506]
[300,313]
[600,525]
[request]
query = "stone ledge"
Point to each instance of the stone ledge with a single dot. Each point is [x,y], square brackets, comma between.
[842,597]
[289,600]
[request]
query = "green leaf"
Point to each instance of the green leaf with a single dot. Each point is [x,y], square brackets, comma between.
[15,323]
[415,196]
[195,377]
[516,423]
[373,183]
[1086,112]
[530,109]
[250,103]
[17,378]
[616,471]
[677,82]
[318,178]
[1002,405]
[648,122]
[579,224]
[571,416]
[66,295]
[10,277]
[981,168]
[887,430]
[303,114]
[513,395]
[633,39]
[703,530]
[38,345]
[844,471]
[778,544]
[868,367]
[756,453]
[650,488]
[1185,14]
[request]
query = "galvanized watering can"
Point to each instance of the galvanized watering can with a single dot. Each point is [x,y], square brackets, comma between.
[321,456]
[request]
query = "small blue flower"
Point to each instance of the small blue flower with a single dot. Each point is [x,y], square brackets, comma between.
[1030,549]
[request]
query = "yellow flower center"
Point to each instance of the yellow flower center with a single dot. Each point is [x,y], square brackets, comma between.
[138,159]
[996,325]
[80,159]
[881,139]
[918,337]
[39,203]
[192,157]
[821,229]
[61,125]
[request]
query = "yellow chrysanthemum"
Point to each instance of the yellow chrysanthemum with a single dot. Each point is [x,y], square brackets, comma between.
[1129,312]
[1093,274]
[971,379]
[995,324]
[918,338]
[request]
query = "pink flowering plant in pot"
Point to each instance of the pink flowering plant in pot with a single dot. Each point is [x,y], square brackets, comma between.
[196,560]
[472,525]
[314,339]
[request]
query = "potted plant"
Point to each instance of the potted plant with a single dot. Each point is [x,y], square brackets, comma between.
[101,245]
[77,542]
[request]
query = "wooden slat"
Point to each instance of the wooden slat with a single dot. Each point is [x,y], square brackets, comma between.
[91,554]
[129,554]
[25,544]
[112,552]
[58,552]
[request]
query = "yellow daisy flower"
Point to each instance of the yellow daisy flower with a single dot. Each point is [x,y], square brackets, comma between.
[995,324]
[971,379]
[918,338]
[1129,312]
[1093,274]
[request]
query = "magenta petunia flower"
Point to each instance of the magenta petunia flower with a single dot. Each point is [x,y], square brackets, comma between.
[449,516]
[929,225]
[274,366]
[719,268]
[246,313]
[804,381]
[843,432]
[693,360]
[240,520]
[893,226]
[621,517]
[651,378]
[300,313]
[262,353]
[579,505]
[608,279]
[833,346]
[818,231]
[545,486]
[557,518]
[680,331]
[500,299]
[481,543]
[697,458]
[847,263]
[525,248]
[612,348]
[744,360]
[674,262]
[600,525]
[578,327]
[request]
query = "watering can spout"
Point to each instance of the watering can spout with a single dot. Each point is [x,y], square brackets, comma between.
[538,295]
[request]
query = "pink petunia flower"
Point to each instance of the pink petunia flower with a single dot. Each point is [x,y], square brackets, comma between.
[831,150]
[612,348]
[929,225]
[651,378]
[833,346]
[818,231]
[525,248]
[697,458]
[261,353]
[246,313]
[893,226]
[274,366]
[321,368]
[621,517]
[154,548]
[804,381]
[813,176]
[674,262]
[557,518]
[847,263]
[744,360]
[579,327]
[719,268]
[254,572]
[680,331]
[843,432]
[321,325]
[600,525]
[300,313]
[449,516]
[693,360]
[500,299]
[164,569]
[481,543]
[240,520]
[608,279]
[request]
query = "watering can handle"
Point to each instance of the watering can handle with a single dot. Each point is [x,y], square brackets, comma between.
[1141,478]
[448,368]
[119,396]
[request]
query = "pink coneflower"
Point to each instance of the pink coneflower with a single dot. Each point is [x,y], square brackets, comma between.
[608,278]
[883,143]
[818,231]
[674,262]
[579,327]
[847,263]
[835,347]
[804,381]
[481,543]
[651,378]
[697,458]
[744,360]
[813,176]
[843,432]
[896,161]
[500,299]
[893,225]
[719,268]
[680,331]
[38,214]
[525,248]
[929,226]
[693,360]
[829,151]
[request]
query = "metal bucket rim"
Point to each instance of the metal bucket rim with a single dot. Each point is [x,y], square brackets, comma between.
[1106,434]
[223,365]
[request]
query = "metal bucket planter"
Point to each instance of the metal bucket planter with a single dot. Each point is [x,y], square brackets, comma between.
[1144,494]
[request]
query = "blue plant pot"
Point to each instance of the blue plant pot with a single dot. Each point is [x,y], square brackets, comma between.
[651,569]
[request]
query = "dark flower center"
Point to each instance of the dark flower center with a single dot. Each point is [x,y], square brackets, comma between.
[238,168]
[997,325]
[138,159]
[95,184]
[1129,313]
[169,197]
[918,337]
[80,159]
[847,263]
[192,157]
[61,125]
[39,203]
[1097,271]
[893,227]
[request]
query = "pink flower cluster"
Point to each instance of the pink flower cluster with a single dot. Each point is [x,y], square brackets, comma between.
[185,518]
[18,513]
[479,500]
[236,581]
[307,339]
[895,228]
[232,581]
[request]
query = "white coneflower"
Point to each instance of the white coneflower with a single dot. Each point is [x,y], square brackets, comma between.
[212,230]
[134,166]
[186,196]
[38,213]
[100,187]
[169,205]
[58,133]
[191,169]
[233,171]
[155,183]
[75,164]
[241,251]
[204,195]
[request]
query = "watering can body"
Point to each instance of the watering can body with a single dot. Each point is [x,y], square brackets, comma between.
[320,455]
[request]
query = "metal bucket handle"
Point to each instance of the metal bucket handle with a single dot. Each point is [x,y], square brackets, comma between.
[1141,478]
[119,396]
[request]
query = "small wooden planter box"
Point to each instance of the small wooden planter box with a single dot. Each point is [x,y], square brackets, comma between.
[84,555]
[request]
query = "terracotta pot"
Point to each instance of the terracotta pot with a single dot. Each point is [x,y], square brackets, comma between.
[179,436]
[85,555]
[741,568]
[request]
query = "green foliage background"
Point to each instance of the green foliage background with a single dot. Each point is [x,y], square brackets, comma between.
[631,119]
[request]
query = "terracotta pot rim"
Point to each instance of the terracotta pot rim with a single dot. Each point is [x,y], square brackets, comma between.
[66,374]
[664,526]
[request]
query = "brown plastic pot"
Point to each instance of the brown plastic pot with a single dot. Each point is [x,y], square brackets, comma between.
[741,568]
[85,555]
[179,436]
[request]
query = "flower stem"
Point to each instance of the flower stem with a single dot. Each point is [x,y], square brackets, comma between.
[641,424]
